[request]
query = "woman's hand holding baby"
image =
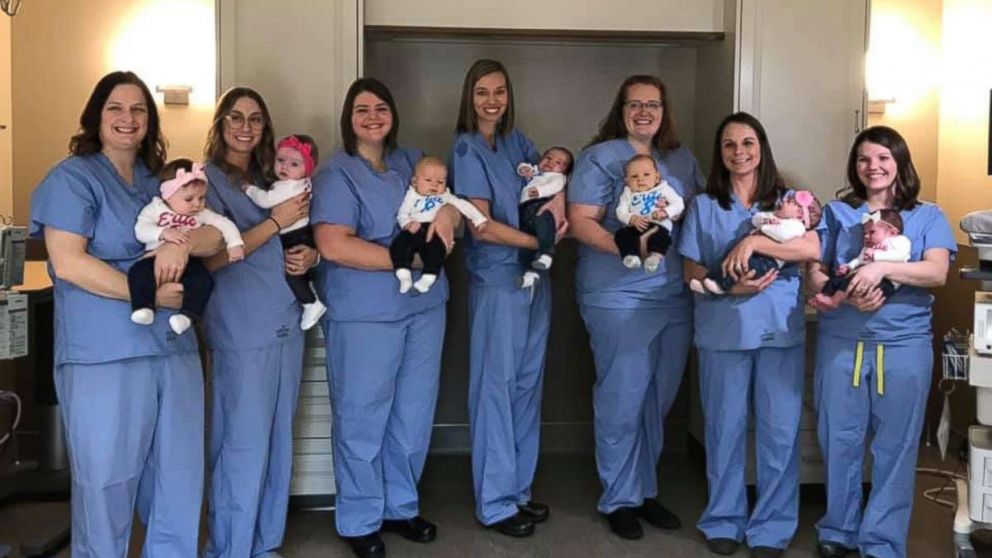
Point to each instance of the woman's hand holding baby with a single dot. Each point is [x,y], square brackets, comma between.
[639,223]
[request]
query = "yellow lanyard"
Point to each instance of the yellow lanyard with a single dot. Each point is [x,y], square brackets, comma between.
[859,354]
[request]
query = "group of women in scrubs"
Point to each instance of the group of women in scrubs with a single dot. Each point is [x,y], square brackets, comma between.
[132,396]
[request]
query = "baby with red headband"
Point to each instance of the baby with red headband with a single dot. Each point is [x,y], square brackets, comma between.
[296,158]
[169,218]
[797,212]
[882,241]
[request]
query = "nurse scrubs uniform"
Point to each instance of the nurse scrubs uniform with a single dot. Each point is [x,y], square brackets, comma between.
[131,396]
[383,349]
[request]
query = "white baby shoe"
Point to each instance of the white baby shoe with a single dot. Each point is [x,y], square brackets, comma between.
[425,282]
[311,314]
[406,280]
[143,316]
[652,262]
[179,323]
[529,279]
[543,262]
[632,262]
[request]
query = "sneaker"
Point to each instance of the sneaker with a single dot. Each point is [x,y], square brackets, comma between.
[425,282]
[632,262]
[542,262]
[529,279]
[696,286]
[311,314]
[712,287]
[406,280]
[180,323]
[652,263]
[143,316]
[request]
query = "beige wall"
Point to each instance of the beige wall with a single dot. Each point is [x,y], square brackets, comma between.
[6,173]
[61,48]
[963,183]
[904,50]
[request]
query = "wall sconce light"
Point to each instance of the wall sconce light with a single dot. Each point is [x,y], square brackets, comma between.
[175,94]
[877,106]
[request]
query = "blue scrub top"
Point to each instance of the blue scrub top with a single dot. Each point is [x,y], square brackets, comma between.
[905,317]
[601,279]
[477,170]
[84,195]
[771,318]
[251,306]
[348,191]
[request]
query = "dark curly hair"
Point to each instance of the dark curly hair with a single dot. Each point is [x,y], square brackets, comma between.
[87,140]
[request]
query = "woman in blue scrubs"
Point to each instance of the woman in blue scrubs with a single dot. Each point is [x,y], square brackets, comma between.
[750,345]
[874,357]
[508,325]
[256,345]
[383,347]
[131,396]
[640,324]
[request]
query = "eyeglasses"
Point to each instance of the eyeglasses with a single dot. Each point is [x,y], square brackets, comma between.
[637,106]
[237,120]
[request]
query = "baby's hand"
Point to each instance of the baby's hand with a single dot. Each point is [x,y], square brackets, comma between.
[659,215]
[412,227]
[245,186]
[236,254]
[661,203]
[843,270]
[532,193]
[175,236]
[526,171]
[639,223]
[869,255]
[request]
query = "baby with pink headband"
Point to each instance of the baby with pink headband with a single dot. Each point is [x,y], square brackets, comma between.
[797,212]
[169,218]
[296,158]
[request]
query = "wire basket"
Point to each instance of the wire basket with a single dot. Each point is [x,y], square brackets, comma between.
[955,357]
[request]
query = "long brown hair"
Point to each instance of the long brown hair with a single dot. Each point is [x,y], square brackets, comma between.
[263,157]
[770,183]
[613,126]
[468,121]
[87,140]
[907,188]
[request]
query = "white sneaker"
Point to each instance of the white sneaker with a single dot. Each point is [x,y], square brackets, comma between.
[529,279]
[311,314]
[652,262]
[143,316]
[632,262]
[543,262]
[406,280]
[712,287]
[179,323]
[696,286]
[425,282]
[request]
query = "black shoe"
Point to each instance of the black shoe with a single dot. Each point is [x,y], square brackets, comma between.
[827,549]
[624,524]
[367,546]
[657,515]
[724,547]
[766,552]
[517,525]
[537,511]
[416,529]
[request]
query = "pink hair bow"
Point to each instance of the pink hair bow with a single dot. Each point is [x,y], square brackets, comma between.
[182,178]
[804,198]
[294,142]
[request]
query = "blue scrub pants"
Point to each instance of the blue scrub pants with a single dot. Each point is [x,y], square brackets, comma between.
[508,335]
[383,379]
[889,401]
[769,380]
[250,445]
[640,356]
[131,421]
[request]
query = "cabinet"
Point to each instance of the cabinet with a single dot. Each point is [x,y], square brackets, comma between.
[798,66]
